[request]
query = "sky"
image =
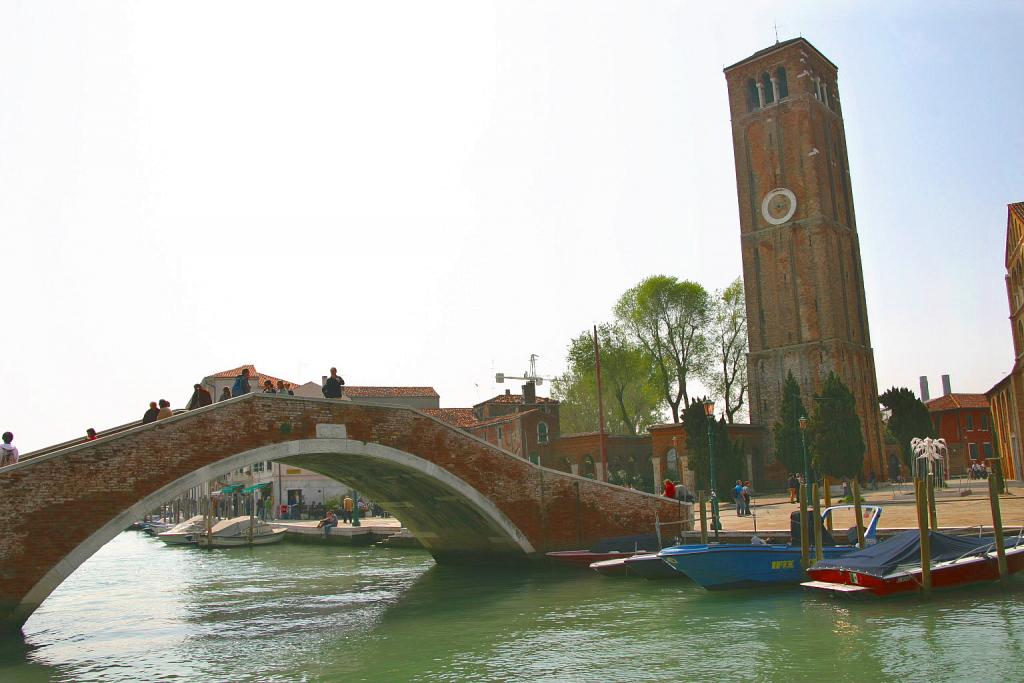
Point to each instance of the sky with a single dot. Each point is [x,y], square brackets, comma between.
[425,193]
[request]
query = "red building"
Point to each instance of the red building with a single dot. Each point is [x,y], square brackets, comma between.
[965,422]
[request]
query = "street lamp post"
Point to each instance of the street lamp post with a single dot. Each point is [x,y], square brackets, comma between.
[709,414]
[803,442]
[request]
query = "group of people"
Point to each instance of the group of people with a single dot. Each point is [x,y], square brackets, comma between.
[794,483]
[977,471]
[158,410]
[741,493]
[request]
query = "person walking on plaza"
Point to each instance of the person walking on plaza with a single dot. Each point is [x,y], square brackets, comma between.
[745,494]
[224,395]
[165,409]
[793,484]
[200,397]
[347,506]
[737,496]
[150,415]
[334,386]
[241,385]
[8,451]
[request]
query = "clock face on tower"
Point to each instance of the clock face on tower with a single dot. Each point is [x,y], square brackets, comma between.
[778,206]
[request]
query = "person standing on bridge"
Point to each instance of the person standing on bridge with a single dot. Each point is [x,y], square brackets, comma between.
[334,386]
[670,489]
[224,395]
[241,385]
[8,451]
[150,415]
[165,409]
[200,397]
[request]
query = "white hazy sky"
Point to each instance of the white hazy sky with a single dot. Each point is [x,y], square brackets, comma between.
[424,193]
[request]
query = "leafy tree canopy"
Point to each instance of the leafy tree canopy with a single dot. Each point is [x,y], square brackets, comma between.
[632,398]
[668,318]
[726,374]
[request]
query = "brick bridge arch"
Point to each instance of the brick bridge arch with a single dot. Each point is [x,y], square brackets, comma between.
[462,497]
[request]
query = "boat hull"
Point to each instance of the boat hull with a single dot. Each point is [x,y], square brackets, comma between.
[953,574]
[240,541]
[728,566]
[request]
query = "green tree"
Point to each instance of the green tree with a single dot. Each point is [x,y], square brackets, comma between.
[668,319]
[836,442]
[726,375]
[632,399]
[728,454]
[789,448]
[908,419]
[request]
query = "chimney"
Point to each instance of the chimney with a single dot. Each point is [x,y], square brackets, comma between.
[925,396]
[946,390]
[529,393]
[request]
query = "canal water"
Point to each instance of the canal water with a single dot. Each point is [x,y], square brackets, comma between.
[141,611]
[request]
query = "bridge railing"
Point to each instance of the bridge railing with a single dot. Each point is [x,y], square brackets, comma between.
[84,439]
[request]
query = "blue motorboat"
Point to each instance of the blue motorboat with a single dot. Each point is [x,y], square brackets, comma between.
[719,566]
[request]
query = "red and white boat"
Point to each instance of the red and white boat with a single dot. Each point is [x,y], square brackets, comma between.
[894,566]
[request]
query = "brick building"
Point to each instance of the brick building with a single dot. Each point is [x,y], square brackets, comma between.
[965,422]
[1006,398]
[670,457]
[806,308]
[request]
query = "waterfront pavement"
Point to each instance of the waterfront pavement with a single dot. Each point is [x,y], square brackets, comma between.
[966,505]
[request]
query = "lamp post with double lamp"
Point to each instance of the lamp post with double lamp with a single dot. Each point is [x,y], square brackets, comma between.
[709,414]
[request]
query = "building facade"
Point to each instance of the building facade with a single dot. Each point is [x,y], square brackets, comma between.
[806,308]
[965,422]
[1006,398]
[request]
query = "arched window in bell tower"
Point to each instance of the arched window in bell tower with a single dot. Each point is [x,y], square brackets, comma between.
[780,78]
[766,82]
[752,101]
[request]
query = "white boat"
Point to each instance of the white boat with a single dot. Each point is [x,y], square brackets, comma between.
[240,531]
[185,533]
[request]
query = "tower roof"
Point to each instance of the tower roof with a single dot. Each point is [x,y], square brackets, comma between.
[780,46]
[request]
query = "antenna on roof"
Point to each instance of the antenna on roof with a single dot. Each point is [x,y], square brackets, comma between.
[528,376]
[776,25]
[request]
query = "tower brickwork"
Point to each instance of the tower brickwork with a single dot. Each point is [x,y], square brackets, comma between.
[806,308]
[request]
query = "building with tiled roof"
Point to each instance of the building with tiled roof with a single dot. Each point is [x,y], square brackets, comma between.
[1006,398]
[965,422]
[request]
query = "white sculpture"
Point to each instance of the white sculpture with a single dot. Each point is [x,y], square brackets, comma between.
[930,450]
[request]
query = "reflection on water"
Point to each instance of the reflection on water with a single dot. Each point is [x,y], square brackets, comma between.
[141,611]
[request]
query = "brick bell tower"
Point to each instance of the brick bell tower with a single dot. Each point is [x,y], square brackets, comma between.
[806,308]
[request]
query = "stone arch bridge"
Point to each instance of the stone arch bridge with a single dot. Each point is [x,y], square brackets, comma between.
[462,497]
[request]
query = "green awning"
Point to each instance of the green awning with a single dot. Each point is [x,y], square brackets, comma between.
[231,488]
[255,487]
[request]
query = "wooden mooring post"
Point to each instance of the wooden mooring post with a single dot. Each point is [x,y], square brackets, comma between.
[828,502]
[703,517]
[997,526]
[932,512]
[921,501]
[819,554]
[805,541]
[858,512]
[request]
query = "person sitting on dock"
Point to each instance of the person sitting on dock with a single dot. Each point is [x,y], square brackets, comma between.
[328,522]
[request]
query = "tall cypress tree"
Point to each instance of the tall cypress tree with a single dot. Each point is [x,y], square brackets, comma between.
[837,445]
[788,446]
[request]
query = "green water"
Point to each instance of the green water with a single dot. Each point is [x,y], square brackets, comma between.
[140,611]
